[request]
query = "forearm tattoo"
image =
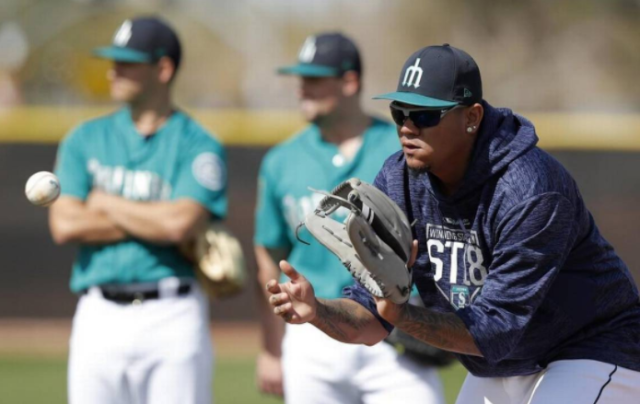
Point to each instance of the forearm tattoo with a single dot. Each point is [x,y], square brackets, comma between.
[340,319]
[442,330]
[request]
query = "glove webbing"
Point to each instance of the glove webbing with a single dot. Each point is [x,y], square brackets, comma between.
[356,205]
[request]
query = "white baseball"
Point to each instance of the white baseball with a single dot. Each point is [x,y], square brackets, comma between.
[42,188]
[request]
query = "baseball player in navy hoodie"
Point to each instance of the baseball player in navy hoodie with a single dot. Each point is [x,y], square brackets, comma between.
[515,277]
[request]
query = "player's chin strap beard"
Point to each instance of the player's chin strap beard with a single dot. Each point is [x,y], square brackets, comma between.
[420,170]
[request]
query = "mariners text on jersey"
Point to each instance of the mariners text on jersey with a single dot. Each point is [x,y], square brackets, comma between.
[180,160]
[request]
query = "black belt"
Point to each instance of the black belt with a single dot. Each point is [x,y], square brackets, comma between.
[127,294]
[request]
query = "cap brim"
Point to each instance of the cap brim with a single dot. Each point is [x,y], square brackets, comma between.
[122,54]
[309,70]
[416,99]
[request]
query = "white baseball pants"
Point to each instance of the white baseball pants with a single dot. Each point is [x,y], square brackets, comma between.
[320,370]
[156,352]
[562,382]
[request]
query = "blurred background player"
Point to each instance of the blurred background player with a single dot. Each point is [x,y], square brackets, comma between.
[135,185]
[340,142]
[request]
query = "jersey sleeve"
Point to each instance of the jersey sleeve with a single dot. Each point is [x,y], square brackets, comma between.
[534,240]
[71,166]
[271,230]
[202,177]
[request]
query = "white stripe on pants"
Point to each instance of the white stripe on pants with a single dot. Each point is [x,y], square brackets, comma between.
[562,382]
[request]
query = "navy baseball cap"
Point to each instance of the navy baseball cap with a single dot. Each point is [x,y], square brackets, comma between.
[143,40]
[438,77]
[326,55]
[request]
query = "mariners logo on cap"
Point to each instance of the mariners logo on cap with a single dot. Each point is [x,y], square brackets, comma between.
[325,55]
[438,77]
[308,50]
[413,75]
[121,38]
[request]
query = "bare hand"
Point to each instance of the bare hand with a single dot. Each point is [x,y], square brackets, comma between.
[389,310]
[294,301]
[386,308]
[269,374]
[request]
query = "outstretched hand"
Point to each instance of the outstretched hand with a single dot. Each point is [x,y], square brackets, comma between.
[294,301]
[387,309]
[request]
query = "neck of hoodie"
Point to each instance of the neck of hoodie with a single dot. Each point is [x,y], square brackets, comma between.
[503,137]
[448,183]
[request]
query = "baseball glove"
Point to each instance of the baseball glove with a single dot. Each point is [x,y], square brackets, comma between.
[373,243]
[218,260]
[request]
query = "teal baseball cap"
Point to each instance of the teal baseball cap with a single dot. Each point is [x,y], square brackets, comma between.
[325,55]
[142,40]
[438,77]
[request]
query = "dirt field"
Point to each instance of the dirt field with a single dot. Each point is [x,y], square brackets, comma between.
[49,338]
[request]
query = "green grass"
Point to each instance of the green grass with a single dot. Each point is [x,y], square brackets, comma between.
[452,378]
[234,383]
[37,381]
[31,381]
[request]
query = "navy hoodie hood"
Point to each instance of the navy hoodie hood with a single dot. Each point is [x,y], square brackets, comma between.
[503,137]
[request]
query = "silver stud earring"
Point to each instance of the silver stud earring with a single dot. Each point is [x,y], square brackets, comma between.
[469,129]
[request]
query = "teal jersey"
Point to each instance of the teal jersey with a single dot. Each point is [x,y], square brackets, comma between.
[181,160]
[306,160]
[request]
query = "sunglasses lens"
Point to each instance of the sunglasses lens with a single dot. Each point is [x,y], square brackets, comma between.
[425,119]
[397,116]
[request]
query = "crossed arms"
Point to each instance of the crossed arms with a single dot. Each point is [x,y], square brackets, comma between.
[105,219]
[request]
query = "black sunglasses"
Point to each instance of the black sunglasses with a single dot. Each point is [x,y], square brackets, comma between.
[421,117]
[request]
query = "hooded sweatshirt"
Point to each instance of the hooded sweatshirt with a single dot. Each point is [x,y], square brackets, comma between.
[515,253]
